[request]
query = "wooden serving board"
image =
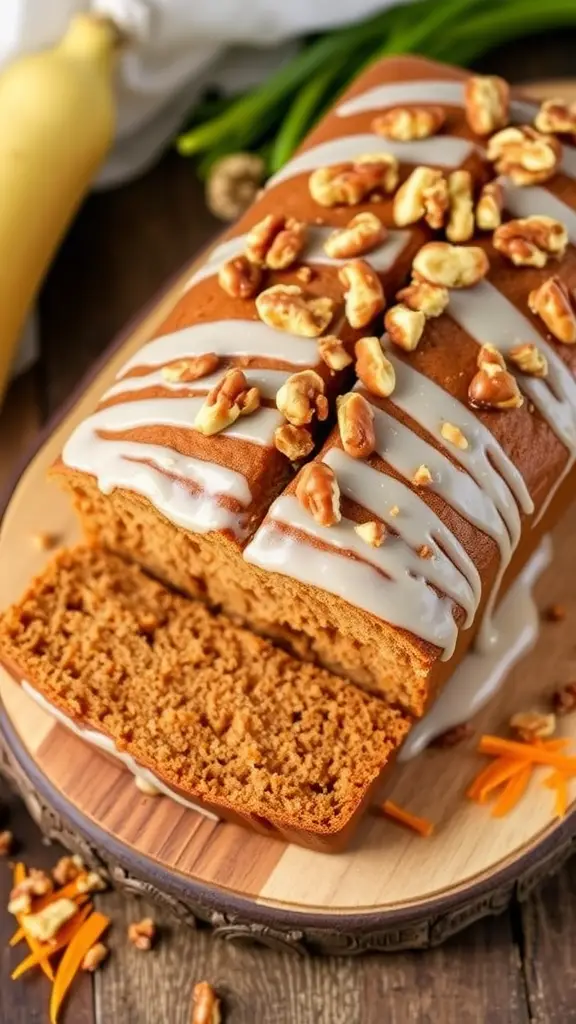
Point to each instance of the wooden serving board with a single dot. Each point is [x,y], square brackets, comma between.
[392,889]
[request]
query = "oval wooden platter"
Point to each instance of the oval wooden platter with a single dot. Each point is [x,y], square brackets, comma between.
[391,889]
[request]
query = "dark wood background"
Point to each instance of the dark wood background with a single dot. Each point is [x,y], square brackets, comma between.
[517,968]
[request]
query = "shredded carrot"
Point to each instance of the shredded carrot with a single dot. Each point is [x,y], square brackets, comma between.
[513,791]
[497,746]
[67,891]
[420,825]
[558,744]
[491,777]
[19,875]
[557,781]
[60,941]
[88,933]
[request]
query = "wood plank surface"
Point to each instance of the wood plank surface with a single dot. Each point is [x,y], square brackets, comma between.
[508,970]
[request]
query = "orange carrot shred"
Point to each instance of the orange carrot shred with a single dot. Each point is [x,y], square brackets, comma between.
[512,792]
[420,825]
[39,904]
[531,752]
[557,781]
[19,875]
[61,940]
[561,743]
[88,933]
[496,773]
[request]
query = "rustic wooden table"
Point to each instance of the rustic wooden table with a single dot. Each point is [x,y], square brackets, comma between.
[517,968]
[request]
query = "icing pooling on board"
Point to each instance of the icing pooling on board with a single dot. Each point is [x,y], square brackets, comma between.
[381,258]
[412,605]
[104,743]
[480,675]
[441,151]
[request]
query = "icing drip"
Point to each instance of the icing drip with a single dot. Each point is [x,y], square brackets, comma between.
[227,338]
[480,675]
[267,381]
[442,150]
[412,605]
[423,91]
[104,743]
[529,200]
[450,568]
[382,258]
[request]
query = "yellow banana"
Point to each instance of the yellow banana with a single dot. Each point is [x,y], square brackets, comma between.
[56,125]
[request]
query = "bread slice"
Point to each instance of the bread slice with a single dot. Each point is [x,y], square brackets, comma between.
[218,714]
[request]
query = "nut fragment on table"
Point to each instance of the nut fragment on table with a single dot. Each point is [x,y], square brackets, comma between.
[44,541]
[531,241]
[460,226]
[318,492]
[233,184]
[363,295]
[302,397]
[362,234]
[526,156]
[67,869]
[424,194]
[554,305]
[489,206]
[95,956]
[276,241]
[287,308]
[405,124]
[348,184]
[142,933]
[486,101]
[90,882]
[334,352]
[356,424]
[564,700]
[430,299]
[529,360]
[206,1005]
[452,266]
[405,326]
[228,400]
[371,533]
[373,368]
[556,116]
[44,925]
[190,369]
[239,278]
[294,442]
[532,725]
[36,883]
[6,843]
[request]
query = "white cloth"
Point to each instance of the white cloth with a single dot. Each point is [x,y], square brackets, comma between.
[180,47]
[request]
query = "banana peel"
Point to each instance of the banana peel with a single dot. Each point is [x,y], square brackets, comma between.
[57,120]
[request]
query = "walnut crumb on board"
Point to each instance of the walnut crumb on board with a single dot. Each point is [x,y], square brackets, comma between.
[564,699]
[6,843]
[44,541]
[206,1005]
[94,957]
[142,933]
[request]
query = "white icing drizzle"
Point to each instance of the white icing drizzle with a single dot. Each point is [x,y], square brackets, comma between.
[442,150]
[382,258]
[413,605]
[267,381]
[450,568]
[529,200]
[104,743]
[229,338]
[423,91]
[480,675]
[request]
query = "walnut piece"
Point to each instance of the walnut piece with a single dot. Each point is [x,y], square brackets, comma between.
[318,492]
[233,183]
[362,234]
[489,354]
[526,156]
[95,956]
[424,194]
[405,326]
[553,304]
[36,883]
[371,533]
[44,541]
[356,423]
[239,278]
[408,123]
[286,307]
[564,700]
[302,397]
[192,368]
[334,353]
[294,442]
[6,843]
[454,435]
[430,299]
[556,116]
[364,294]
[460,226]
[532,725]
[489,206]
[529,360]
[494,388]
[373,368]
[44,925]
[530,241]
[142,933]
[67,869]
[422,477]
[452,266]
[276,241]
[206,1005]
[228,400]
[348,184]
[486,100]
[90,882]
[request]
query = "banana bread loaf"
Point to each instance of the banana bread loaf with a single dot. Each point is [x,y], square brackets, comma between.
[380,557]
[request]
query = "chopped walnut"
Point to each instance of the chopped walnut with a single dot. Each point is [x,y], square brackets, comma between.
[490,355]
[364,294]
[424,194]
[530,241]
[489,206]
[486,99]
[67,869]
[95,956]
[564,700]
[45,924]
[430,299]
[227,401]
[408,123]
[422,477]
[425,551]
[302,397]
[557,116]
[294,442]
[206,1005]
[287,308]
[526,156]
[239,278]
[90,882]
[460,226]
[233,184]
[529,360]
[362,234]
[394,511]
[334,352]
[356,424]
[193,368]
[142,933]
[494,388]
[532,725]
[555,613]
[318,492]
[371,533]
[454,435]
[405,326]
[305,274]
[554,305]
[44,541]
[36,883]
[452,266]
[276,241]
[373,367]
[452,737]
[348,184]
[6,843]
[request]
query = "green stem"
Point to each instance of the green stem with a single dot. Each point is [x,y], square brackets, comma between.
[302,114]
[463,43]
[412,37]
